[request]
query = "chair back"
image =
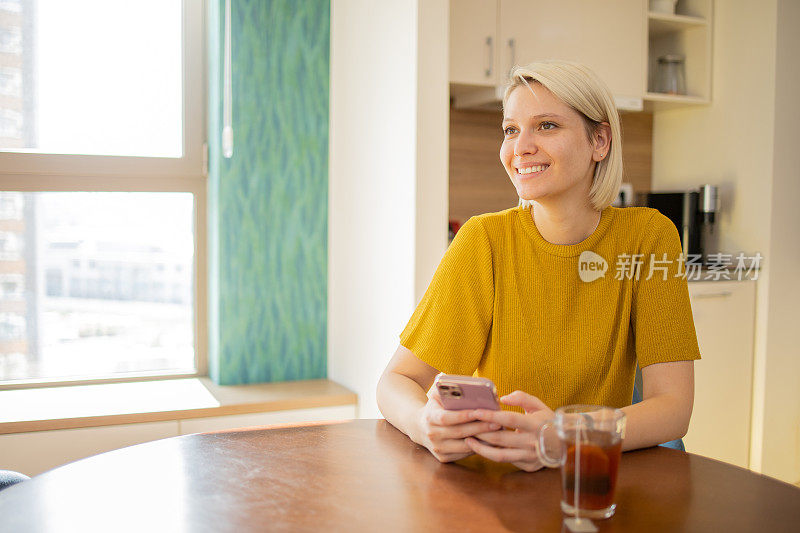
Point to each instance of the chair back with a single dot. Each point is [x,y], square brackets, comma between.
[9,477]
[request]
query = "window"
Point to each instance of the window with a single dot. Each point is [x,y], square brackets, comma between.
[102,190]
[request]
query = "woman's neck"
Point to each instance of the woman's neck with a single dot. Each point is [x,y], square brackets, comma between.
[565,224]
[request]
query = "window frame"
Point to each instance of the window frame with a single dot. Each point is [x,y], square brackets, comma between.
[40,172]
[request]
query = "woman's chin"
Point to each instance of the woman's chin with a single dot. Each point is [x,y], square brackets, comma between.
[531,196]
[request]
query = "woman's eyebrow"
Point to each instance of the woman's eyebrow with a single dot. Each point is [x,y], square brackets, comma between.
[536,117]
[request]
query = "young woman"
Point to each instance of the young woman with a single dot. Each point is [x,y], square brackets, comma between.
[555,300]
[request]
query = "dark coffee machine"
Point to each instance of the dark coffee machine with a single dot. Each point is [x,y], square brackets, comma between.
[694,214]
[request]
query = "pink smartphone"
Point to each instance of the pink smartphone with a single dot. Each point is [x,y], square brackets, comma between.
[466,392]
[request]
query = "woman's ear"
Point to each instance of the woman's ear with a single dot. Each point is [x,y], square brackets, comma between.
[602,141]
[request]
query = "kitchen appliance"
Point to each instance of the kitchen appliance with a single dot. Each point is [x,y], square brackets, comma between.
[694,214]
[625,197]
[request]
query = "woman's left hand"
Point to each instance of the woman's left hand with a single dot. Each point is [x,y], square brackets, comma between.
[520,445]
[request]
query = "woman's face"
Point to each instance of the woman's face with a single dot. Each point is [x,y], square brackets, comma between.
[546,150]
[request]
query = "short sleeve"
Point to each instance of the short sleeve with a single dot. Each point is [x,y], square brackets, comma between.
[449,327]
[661,314]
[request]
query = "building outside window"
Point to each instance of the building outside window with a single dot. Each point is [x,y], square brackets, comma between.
[102,190]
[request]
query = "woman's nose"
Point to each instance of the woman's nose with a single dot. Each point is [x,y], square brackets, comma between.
[526,144]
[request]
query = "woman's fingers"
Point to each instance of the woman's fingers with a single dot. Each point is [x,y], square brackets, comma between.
[468,430]
[443,417]
[500,455]
[450,446]
[518,447]
[525,457]
[443,431]
[508,419]
[509,439]
[460,431]
[522,399]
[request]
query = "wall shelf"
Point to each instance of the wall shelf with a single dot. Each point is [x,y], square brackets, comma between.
[661,101]
[661,23]
[676,98]
[689,34]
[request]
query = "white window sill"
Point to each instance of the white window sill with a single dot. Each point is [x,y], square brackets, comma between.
[152,401]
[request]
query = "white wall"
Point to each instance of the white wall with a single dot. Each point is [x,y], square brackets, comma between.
[780,412]
[433,124]
[745,141]
[387,178]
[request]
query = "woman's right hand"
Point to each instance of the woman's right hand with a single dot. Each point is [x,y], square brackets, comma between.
[443,432]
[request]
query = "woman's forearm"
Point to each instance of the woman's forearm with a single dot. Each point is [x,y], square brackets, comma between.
[667,407]
[400,400]
[655,421]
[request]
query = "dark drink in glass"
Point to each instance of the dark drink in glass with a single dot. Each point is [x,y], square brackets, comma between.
[589,449]
[597,478]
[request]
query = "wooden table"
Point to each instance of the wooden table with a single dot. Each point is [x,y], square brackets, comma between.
[364,475]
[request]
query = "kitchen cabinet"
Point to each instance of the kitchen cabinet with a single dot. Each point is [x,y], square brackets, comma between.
[606,36]
[724,317]
[473,42]
[618,39]
[487,38]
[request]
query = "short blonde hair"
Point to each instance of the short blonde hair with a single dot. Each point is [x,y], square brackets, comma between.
[580,88]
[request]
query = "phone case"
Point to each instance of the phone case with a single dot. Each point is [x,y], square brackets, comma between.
[466,392]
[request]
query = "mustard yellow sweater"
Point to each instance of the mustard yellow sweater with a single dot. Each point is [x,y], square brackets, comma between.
[528,314]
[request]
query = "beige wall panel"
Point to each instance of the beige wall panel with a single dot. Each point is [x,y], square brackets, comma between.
[36,452]
[219,423]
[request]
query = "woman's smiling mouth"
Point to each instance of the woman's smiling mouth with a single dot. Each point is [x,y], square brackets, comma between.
[534,169]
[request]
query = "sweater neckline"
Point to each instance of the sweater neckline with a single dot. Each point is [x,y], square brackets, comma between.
[565,250]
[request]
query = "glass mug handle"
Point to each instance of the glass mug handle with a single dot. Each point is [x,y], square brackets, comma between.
[543,457]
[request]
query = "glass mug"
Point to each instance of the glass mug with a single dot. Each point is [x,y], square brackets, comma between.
[590,441]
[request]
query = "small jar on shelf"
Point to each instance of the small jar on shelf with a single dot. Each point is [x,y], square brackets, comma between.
[671,76]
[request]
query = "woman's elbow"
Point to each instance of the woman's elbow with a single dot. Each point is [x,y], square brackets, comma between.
[380,389]
[685,418]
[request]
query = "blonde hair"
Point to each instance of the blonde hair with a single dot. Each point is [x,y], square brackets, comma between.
[580,88]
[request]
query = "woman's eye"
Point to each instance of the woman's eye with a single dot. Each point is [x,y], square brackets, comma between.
[510,130]
[547,125]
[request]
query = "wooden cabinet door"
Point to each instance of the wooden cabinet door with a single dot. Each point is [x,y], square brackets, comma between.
[609,36]
[473,42]
[724,317]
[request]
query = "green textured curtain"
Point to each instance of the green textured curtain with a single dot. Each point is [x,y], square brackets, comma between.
[268,204]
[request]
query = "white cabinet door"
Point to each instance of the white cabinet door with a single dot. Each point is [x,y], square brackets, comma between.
[473,42]
[607,35]
[724,317]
